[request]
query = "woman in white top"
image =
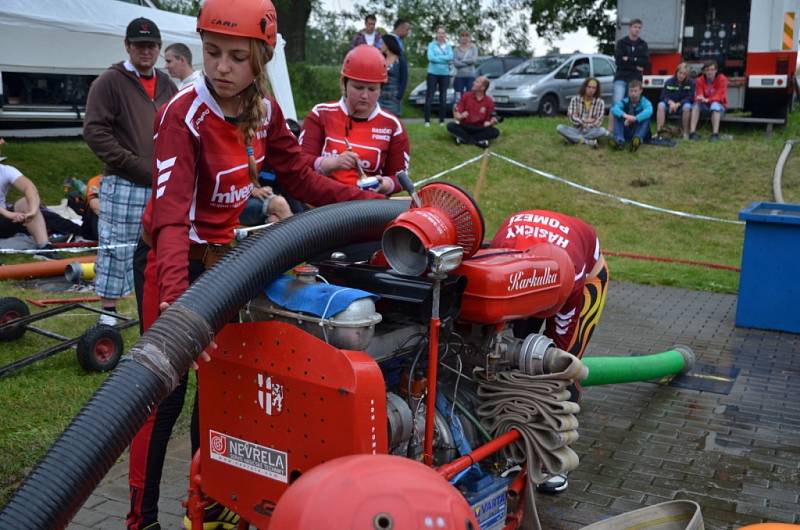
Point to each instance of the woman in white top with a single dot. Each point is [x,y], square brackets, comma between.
[24,214]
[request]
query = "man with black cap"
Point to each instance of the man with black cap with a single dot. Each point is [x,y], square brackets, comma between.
[118,126]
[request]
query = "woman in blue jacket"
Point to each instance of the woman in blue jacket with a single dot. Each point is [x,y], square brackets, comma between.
[440,57]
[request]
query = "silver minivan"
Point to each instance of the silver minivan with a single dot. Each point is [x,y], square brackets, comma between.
[546,84]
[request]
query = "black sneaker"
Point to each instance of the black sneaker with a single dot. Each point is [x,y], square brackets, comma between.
[694,136]
[635,143]
[714,137]
[554,484]
[459,141]
[216,517]
[47,252]
[613,143]
[483,144]
[152,526]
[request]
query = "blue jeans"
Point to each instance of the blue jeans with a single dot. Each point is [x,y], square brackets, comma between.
[461,85]
[625,133]
[706,109]
[620,90]
[685,106]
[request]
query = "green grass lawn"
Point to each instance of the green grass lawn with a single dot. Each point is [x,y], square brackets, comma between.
[698,177]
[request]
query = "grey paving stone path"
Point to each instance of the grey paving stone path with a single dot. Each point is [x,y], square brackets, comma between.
[737,455]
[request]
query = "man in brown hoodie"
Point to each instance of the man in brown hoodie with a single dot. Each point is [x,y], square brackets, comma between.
[120,113]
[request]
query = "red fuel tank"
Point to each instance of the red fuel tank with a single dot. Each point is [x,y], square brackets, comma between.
[507,284]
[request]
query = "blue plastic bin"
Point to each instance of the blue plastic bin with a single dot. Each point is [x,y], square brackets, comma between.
[769,286]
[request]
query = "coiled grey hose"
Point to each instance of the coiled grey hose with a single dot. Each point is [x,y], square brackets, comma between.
[538,407]
[777,175]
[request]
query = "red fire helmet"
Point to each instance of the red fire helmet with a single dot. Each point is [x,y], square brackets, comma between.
[365,63]
[372,492]
[254,19]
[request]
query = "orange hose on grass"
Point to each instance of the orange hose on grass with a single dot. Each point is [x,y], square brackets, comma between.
[41,269]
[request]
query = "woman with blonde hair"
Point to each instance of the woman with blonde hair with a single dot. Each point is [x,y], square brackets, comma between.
[676,98]
[211,141]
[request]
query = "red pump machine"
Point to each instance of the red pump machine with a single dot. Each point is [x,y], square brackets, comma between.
[296,385]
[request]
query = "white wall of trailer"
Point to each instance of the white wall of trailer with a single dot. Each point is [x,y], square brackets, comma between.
[767,25]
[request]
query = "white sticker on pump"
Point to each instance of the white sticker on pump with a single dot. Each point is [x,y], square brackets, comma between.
[249,456]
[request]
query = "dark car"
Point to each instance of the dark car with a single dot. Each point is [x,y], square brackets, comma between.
[492,67]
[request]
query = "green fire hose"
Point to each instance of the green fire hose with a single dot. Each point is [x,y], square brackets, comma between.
[615,370]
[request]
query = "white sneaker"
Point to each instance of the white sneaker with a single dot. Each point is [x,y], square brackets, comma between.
[107,320]
[427,124]
[441,124]
[553,484]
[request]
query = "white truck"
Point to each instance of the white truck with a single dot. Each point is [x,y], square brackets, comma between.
[753,41]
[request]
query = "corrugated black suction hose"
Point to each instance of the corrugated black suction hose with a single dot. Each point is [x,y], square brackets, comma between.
[87,449]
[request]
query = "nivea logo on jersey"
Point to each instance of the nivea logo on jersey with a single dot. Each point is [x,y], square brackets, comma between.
[232,198]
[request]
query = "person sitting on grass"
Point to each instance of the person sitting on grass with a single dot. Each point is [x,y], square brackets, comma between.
[24,216]
[585,113]
[710,97]
[631,118]
[474,122]
[676,97]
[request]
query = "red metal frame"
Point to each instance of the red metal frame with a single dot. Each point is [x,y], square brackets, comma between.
[430,410]
[450,470]
[44,302]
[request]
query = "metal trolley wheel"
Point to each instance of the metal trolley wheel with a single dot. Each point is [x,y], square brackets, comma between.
[11,309]
[99,348]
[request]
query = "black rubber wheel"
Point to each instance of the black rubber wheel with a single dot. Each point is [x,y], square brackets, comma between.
[99,348]
[11,309]
[548,106]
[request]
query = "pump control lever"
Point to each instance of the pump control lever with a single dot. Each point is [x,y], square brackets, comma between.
[405,182]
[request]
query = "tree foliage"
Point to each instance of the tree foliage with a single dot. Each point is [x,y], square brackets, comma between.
[293,18]
[328,36]
[184,7]
[553,18]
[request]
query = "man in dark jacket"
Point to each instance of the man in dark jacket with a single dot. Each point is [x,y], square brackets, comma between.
[120,112]
[676,97]
[400,31]
[632,57]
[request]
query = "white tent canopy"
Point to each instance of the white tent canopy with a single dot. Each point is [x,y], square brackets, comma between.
[86,37]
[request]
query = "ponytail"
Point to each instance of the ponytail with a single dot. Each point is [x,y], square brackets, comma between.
[253,109]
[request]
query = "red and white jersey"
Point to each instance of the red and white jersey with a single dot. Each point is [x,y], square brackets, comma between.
[380,141]
[201,180]
[524,229]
